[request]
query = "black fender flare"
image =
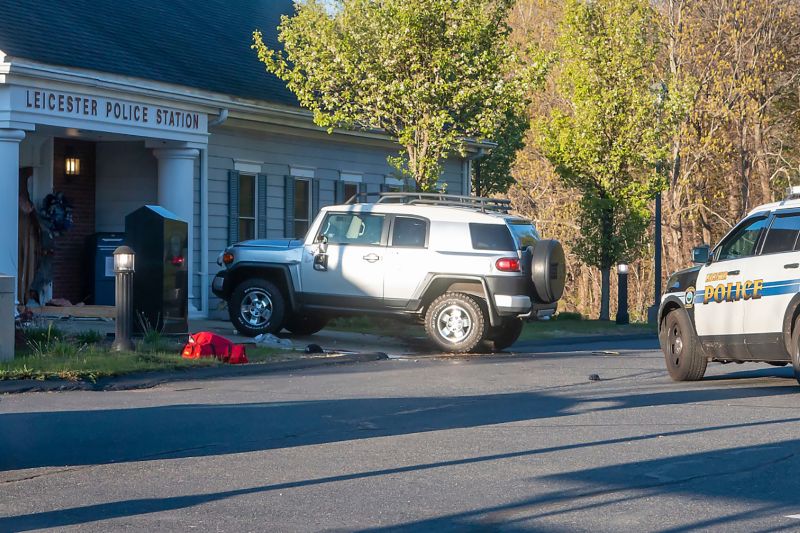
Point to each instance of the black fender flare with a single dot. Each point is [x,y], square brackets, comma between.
[494,316]
[231,272]
[668,305]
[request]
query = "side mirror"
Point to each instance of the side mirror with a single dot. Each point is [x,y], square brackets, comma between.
[701,254]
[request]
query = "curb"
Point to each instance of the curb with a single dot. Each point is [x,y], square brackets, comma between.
[147,380]
[584,340]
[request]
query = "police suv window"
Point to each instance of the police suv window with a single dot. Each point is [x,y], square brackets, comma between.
[409,232]
[782,234]
[491,237]
[742,243]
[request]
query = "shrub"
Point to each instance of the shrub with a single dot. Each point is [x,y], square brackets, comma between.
[89,337]
[565,315]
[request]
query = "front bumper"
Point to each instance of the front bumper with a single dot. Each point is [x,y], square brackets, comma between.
[218,285]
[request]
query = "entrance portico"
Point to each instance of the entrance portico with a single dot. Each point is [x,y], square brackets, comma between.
[169,134]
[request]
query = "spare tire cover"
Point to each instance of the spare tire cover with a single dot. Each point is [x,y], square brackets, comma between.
[548,271]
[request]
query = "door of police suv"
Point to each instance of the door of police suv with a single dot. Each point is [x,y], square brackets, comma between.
[775,279]
[724,290]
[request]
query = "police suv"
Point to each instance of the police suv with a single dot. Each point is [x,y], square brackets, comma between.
[742,300]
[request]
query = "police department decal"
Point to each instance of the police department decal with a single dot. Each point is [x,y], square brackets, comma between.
[688,298]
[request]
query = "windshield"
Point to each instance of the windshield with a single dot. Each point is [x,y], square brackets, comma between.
[524,233]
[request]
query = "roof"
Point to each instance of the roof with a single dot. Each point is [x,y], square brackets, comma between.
[203,45]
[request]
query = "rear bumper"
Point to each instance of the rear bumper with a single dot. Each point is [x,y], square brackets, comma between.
[512,304]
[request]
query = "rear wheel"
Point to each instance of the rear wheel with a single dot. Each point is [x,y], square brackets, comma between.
[506,334]
[256,306]
[682,353]
[305,324]
[456,322]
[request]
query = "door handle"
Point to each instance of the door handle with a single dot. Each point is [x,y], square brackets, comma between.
[792,265]
[371,258]
[734,272]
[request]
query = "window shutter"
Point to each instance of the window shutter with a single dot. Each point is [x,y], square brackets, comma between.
[233,206]
[314,199]
[340,199]
[261,185]
[288,206]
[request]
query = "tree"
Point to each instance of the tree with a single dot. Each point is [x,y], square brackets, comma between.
[607,137]
[430,73]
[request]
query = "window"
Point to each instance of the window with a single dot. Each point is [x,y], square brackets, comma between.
[247,207]
[302,207]
[491,237]
[782,235]
[525,233]
[353,228]
[350,190]
[409,232]
[742,242]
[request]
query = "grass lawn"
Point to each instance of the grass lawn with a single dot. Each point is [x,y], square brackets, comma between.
[536,330]
[50,354]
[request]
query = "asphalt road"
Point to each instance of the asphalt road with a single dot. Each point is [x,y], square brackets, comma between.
[511,443]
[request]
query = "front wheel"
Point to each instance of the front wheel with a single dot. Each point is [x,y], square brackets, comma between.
[456,322]
[796,349]
[256,306]
[682,352]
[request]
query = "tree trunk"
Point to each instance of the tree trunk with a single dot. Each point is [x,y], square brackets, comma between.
[605,293]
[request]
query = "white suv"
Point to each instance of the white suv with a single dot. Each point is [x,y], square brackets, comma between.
[742,302]
[464,266]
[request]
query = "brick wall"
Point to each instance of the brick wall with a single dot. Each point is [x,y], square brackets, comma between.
[70,261]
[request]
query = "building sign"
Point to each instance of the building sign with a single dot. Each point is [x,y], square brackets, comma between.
[65,105]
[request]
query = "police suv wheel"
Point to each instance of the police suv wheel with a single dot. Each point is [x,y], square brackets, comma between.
[682,352]
[456,322]
[256,306]
[305,324]
[796,349]
[506,334]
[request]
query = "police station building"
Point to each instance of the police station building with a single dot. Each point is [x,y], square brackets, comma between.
[107,106]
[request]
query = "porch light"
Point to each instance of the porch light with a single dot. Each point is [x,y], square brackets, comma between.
[72,164]
[124,257]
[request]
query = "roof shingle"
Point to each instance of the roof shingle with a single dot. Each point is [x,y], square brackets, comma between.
[201,44]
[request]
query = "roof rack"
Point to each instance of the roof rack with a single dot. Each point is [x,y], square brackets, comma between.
[425,198]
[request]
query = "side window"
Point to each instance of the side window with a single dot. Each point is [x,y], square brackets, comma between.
[491,237]
[353,228]
[409,232]
[742,242]
[782,234]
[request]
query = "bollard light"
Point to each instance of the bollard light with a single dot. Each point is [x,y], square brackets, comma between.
[124,267]
[622,294]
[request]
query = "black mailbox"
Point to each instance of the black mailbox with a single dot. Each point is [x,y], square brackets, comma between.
[160,284]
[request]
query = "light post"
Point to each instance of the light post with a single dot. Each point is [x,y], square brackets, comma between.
[661,92]
[622,294]
[124,267]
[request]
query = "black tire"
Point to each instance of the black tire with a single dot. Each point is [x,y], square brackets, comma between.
[506,334]
[456,322]
[796,349]
[682,352]
[305,324]
[548,271]
[249,303]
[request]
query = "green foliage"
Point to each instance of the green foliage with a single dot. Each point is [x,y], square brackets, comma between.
[607,140]
[428,72]
[42,335]
[89,337]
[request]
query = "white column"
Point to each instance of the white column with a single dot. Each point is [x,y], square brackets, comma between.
[9,211]
[176,192]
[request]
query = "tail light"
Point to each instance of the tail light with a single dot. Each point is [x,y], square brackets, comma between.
[508,264]
[227,258]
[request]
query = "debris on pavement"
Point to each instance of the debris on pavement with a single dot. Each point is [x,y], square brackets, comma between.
[268,339]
